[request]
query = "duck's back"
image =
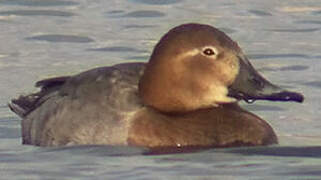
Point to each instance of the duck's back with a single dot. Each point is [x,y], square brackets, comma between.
[93,107]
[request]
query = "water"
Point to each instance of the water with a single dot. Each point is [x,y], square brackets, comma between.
[42,38]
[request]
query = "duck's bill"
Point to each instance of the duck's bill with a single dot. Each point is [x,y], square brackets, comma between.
[249,85]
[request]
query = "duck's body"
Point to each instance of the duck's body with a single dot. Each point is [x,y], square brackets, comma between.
[66,111]
[169,102]
[70,114]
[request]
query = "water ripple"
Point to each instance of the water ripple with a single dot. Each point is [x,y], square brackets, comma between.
[317,12]
[115,12]
[296,9]
[138,58]
[281,151]
[286,68]
[37,13]
[308,22]
[117,49]
[316,84]
[61,38]
[156,2]
[274,56]
[95,150]
[259,13]
[144,14]
[134,26]
[295,30]
[10,133]
[309,171]
[294,68]
[38,3]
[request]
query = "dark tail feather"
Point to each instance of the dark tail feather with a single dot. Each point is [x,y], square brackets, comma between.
[23,105]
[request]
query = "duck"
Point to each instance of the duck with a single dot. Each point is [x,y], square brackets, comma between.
[187,95]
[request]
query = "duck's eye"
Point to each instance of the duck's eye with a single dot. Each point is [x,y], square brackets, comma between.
[209,52]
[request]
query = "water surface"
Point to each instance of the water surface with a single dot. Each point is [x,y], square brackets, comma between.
[41,39]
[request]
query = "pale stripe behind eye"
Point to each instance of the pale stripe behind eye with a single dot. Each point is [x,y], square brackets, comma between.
[192,52]
[196,51]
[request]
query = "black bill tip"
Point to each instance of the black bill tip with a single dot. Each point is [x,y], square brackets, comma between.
[286,96]
[279,96]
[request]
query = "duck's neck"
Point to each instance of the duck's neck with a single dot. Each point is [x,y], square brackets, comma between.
[170,89]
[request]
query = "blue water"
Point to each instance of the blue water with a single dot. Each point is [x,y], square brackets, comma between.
[41,39]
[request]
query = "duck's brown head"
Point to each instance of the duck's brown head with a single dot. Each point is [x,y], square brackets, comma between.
[197,66]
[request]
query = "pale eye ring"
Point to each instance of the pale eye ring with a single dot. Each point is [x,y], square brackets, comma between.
[210,51]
